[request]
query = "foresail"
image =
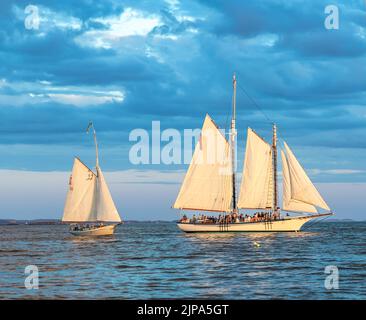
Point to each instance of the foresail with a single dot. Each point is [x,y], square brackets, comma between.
[256,190]
[289,204]
[80,200]
[106,210]
[208,181]
[302,189]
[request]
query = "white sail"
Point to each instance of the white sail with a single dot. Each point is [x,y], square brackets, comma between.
[208,182]
[106,210]
[80,200]
[289,204]
[302,189]
[256,190]
[88,198]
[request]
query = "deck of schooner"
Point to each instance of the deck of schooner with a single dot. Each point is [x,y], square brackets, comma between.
[210,183]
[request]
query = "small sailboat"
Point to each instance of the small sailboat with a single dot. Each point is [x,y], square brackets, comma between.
[89,206]
[210,185]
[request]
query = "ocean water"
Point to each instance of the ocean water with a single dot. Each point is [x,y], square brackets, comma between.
[156,260]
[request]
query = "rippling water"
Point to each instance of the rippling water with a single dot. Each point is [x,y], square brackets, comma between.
[156,260]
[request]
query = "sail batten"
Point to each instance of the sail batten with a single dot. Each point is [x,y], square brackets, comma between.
[257,182]
[300,191]
[208,182]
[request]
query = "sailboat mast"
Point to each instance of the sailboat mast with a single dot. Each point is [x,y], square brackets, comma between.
[96,144]
[274,160]
[233,134]
[96,149]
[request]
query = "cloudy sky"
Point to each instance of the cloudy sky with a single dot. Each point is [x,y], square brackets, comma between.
[124,64]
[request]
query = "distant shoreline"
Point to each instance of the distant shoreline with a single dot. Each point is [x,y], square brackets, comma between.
[7,222]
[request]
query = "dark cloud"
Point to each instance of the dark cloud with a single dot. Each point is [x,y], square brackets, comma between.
[325,43]
[171,26]
[252,17]
[308,79]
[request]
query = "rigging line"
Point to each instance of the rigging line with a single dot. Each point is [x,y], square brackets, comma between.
[270,121]
[314,223]
[255,104]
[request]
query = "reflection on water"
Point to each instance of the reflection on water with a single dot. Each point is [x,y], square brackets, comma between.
[156,260]
[91,240]
[210,236]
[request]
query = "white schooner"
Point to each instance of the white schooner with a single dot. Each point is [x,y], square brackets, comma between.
[210,185]
[89,206]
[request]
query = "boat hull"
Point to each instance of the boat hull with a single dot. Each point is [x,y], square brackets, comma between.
[101,231]
[284,225]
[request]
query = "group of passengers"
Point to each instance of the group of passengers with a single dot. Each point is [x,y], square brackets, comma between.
[84,227]
[232,218]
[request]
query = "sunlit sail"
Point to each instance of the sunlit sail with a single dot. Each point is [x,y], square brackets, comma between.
[207,184]
[210,185]
[88,200]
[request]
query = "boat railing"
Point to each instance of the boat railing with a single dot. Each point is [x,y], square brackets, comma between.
[225,222]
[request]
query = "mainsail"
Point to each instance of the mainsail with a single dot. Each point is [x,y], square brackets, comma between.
[88,198]
[208,182]
[299,192]
[79,204]
[256,190]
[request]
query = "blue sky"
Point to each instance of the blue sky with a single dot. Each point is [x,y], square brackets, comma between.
[124,64]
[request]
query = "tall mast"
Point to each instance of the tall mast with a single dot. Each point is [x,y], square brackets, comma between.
[96,144]
[233,134]
[274,160]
